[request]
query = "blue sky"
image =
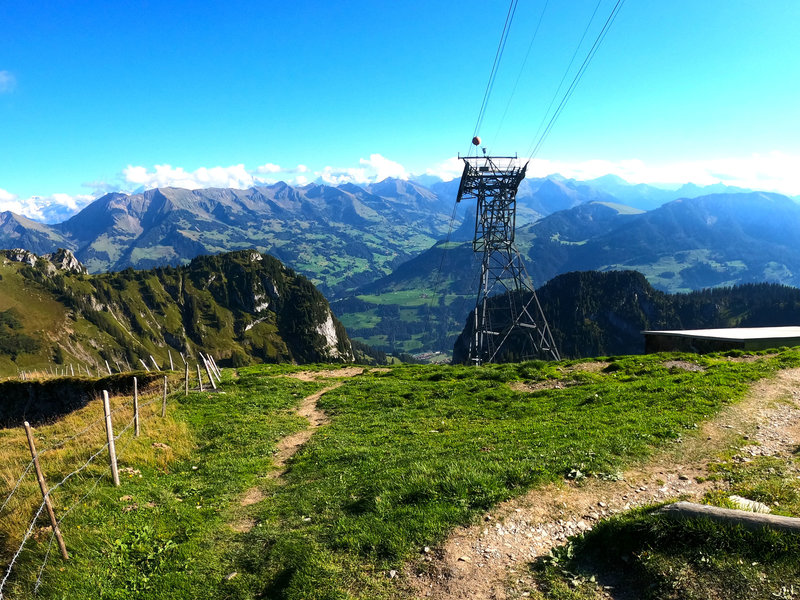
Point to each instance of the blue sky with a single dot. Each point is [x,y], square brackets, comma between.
[113,96]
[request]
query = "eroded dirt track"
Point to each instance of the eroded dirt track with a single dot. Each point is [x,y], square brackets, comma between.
[288,446]
[486,560]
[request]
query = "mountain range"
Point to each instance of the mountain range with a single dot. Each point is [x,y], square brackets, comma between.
[341,237]
[395,257]
[684,245]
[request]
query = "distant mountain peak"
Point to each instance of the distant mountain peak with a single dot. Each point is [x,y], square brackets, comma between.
[610,179]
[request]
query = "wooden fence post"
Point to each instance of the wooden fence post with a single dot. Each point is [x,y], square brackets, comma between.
[210,376]
[199,379]
[210,366]
[144,364]
[171,365]
[112,451]
[216,368]
[186,380]
[45,493]
[155,364]
[135,407]
[207,358]
[108,368]
[742,518]
[71,370]
[164,399]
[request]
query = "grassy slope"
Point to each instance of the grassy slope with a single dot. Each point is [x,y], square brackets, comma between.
[655,559]
[44,318]
[164,534]
[433,321]
[209,306]
[409,454]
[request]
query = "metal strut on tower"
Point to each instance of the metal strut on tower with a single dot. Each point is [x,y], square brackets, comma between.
[516,319]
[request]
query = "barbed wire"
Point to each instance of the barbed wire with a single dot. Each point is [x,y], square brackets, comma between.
[17,553]
[124,404]
[78,470]
[16,486]
[77,503]
[85,465]
[44,562]
[60,520]
[69,439]
[39,512]
[126,428]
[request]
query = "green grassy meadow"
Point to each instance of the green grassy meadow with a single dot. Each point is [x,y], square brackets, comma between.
[410,452]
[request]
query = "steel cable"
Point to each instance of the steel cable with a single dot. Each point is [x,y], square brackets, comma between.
[521,70]
[581,70]
[512,8]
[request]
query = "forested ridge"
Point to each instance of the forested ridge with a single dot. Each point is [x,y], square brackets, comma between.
[595,313]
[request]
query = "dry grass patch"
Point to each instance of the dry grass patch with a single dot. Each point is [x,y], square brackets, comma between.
[67,444]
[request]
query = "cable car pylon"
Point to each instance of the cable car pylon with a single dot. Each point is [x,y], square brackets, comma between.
[508,319]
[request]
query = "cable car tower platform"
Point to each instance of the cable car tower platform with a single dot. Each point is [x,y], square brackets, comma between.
[516,319]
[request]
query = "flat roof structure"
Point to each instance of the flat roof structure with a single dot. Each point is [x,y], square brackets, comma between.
[716,340]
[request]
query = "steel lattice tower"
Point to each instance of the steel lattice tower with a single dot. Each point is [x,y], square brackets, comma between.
[518,316]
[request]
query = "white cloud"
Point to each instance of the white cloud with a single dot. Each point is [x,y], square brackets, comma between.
[774,171]
[268,168]
[380,167]
[47,209]
[7,82]
[447,170]
[373,169]
[28,207]
[235,176]
[338,176]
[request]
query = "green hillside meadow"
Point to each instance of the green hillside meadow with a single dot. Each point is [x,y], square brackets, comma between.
[409,453]
[242,307]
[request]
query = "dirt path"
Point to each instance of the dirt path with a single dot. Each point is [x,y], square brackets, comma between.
[488,559]
[288,446]
[317,375]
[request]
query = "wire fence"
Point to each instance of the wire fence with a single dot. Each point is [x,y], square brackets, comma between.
[19,499]
[94,369]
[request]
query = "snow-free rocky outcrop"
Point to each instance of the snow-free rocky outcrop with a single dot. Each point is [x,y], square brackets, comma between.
[60,260]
